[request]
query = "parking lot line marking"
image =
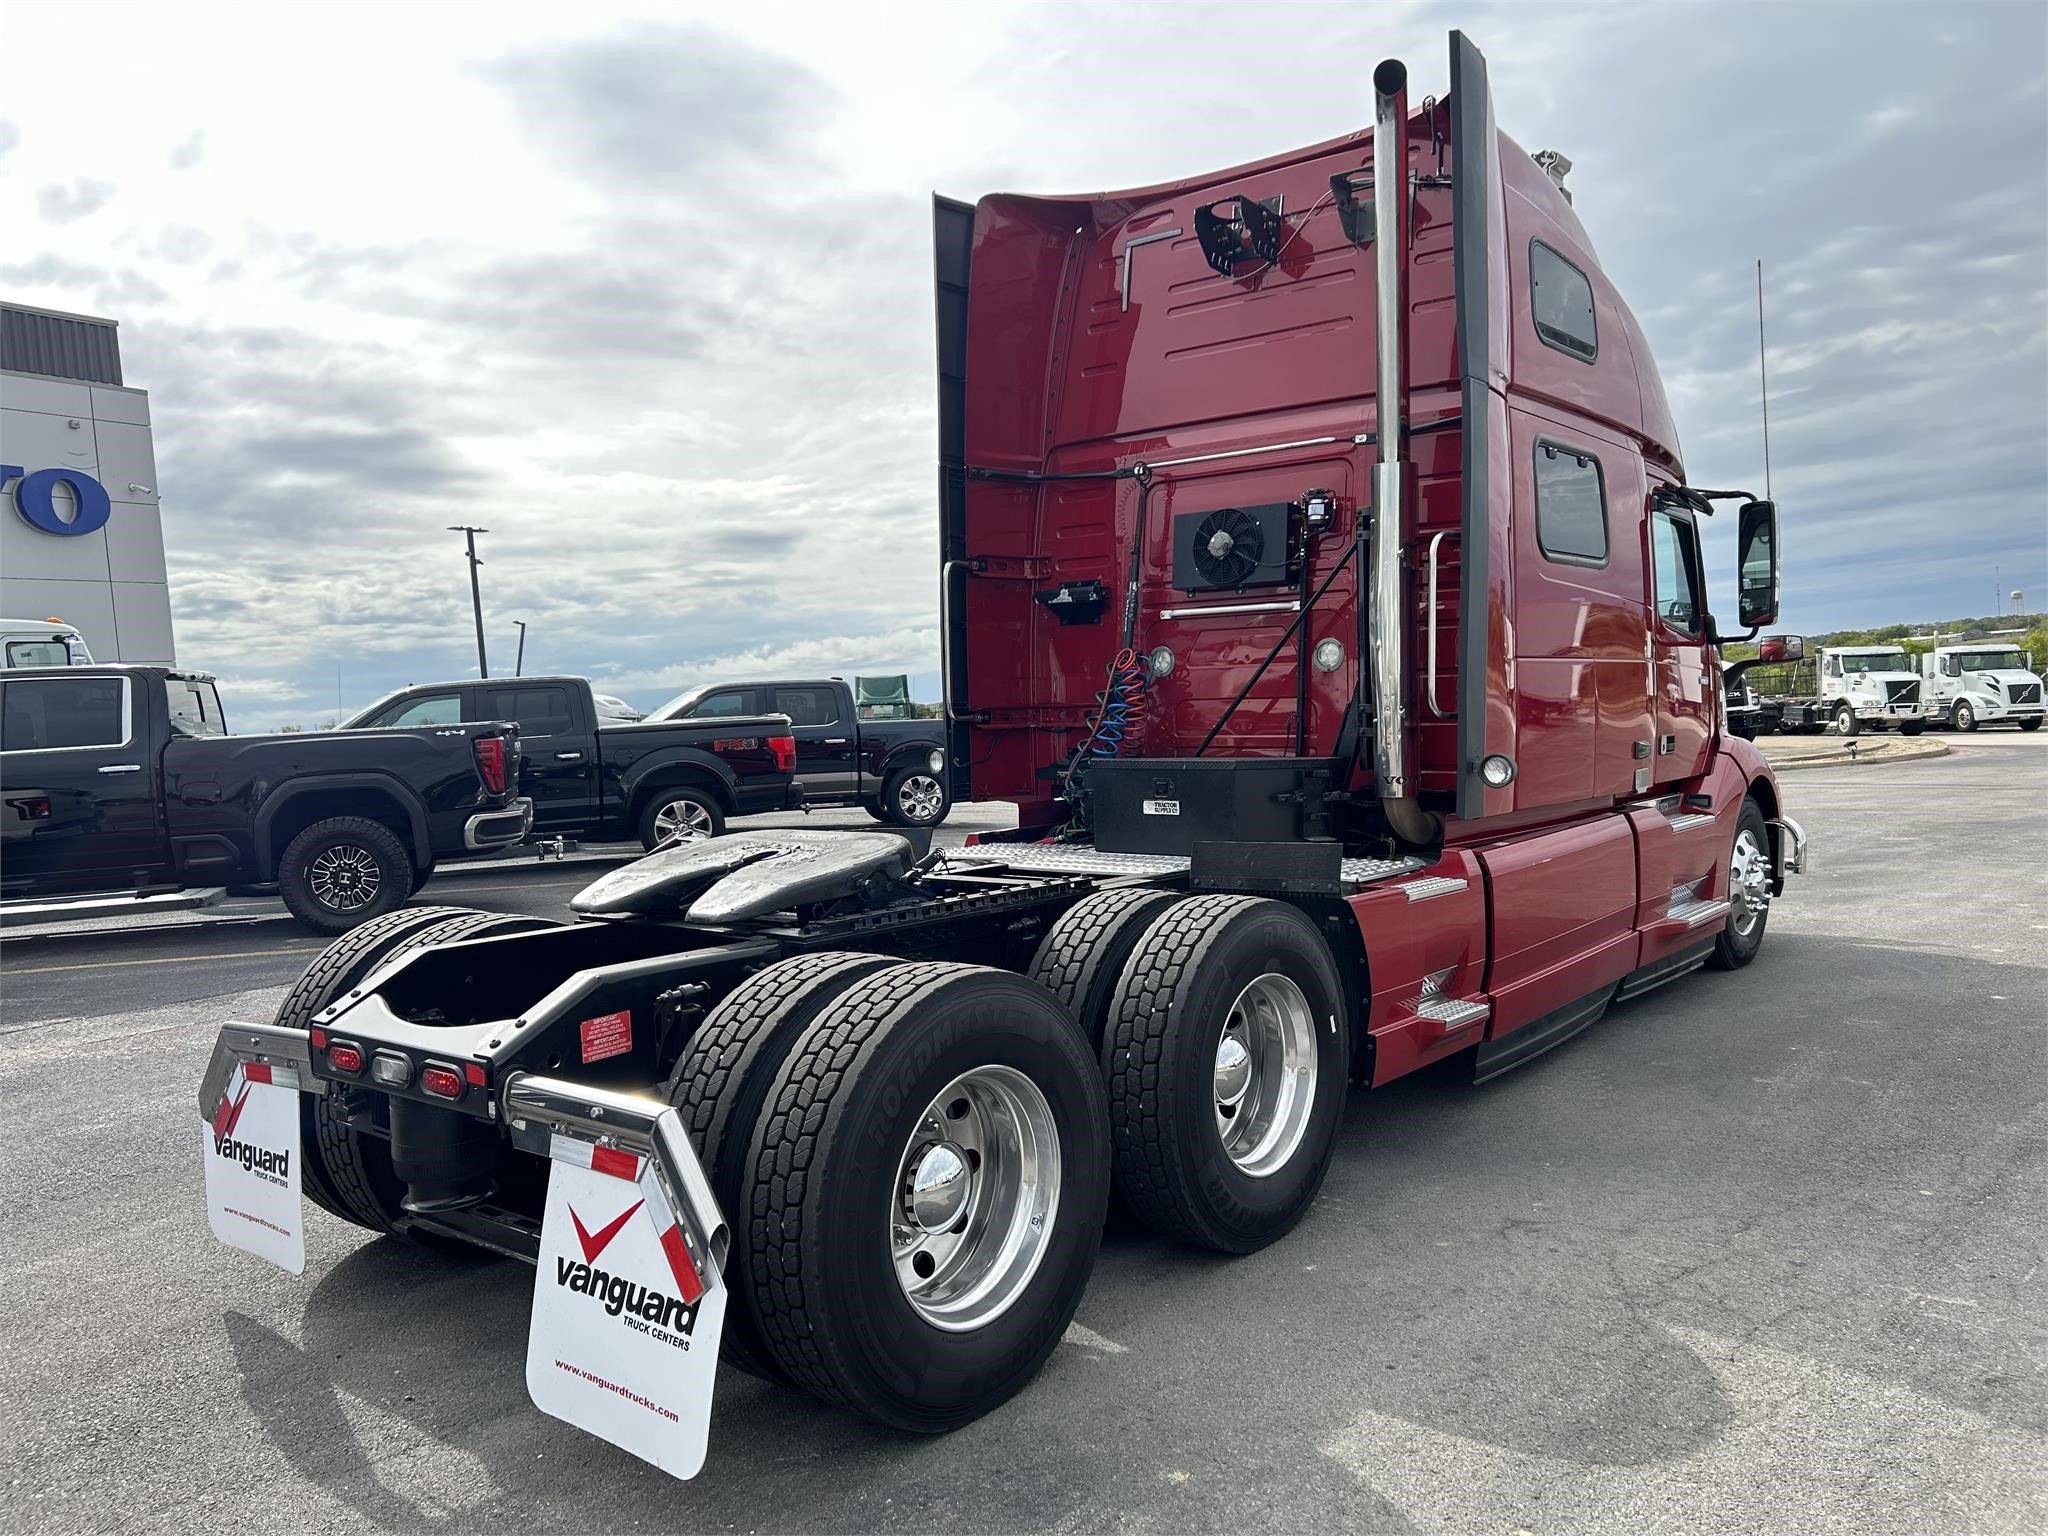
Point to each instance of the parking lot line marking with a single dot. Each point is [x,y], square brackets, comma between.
[109,965]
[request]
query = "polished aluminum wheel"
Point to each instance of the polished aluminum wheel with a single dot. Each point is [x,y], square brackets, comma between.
[976,1192]
[1749,883]
[1265,1080]
[686,818]
[345,877]
[919,797]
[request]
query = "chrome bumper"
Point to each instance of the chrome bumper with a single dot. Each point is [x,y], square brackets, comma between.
[494,829]
[1788,852]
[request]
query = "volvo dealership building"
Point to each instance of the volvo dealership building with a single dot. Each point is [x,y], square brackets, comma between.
[81,536]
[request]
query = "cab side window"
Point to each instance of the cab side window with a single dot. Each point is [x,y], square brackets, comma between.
[45,714]
[1571,506]
[539,711]
[434,709]
[806,706]
[1675,562]
[716,705]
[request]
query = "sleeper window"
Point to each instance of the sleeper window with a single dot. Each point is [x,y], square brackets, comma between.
[1561,299]
[1571,506]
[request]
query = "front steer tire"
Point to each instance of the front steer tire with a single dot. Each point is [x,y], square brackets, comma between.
[1742,935]
[852,1109]
[340,873]
[723,1079]
[1208,966]
[350,1174]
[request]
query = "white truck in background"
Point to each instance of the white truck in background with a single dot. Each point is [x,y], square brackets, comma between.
[42,643]
[1870,685]
[1988,683]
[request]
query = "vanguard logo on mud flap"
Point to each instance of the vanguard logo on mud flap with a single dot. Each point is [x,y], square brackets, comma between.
[617,1294]
[265,1162]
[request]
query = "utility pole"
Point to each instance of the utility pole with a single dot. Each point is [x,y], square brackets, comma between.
[476,593]
[519,661]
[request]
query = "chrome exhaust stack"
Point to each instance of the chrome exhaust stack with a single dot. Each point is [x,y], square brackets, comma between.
[1389,608]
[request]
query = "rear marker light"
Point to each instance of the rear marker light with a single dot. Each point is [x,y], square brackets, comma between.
[345,1058]
[319,1038]
[443,1082]
[391,1069]
[474,1071]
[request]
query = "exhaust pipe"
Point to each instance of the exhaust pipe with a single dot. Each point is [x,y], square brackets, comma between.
[1389,611]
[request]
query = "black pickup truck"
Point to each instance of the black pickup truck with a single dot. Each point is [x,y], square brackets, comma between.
[608,781]
[893,769]
[122,781]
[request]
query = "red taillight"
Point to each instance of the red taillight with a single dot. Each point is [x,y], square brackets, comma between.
[490,762]
[784,748]
[442,1082]
[345,1058]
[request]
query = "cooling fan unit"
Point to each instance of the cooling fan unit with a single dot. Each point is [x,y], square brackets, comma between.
[1232,548]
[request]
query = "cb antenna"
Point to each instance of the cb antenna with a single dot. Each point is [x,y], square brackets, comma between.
[1763,375]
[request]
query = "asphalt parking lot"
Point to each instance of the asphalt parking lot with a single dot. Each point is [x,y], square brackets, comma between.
[1759,1251]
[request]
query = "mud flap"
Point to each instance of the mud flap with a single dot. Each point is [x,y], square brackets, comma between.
[251,1151]
[629,1296]
[249,1140]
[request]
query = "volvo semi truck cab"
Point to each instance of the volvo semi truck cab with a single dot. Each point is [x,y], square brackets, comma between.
[1321,581]
[1987,683]
[1870,686]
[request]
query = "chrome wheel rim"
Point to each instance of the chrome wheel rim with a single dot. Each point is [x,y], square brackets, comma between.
[919,797]
[1264,1079]
[345,877]
[1749,883]
[682,818]
[977,1188]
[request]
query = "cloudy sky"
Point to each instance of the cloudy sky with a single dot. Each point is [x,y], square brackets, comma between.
[646,290]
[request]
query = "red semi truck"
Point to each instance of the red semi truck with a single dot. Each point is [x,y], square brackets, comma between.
[1322,584]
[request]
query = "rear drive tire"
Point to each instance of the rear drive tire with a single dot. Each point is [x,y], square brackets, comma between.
[1220,1144]
[1845,720]
[340,966]
[678,810]
[926,1194]
[914,796]
[341,872]
[1081,958]
[358,1168]
[722,1080]
[1964,717]
[1749,892]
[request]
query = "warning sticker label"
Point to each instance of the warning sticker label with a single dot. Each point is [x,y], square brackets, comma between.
[609,1034]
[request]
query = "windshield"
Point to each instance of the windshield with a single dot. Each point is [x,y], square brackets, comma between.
[1991,661]
[1885,661]
[195,707]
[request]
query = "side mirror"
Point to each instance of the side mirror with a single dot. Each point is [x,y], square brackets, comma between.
[1775,648]
[1756,600]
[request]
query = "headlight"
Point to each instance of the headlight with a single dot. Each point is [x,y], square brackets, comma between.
[937,761]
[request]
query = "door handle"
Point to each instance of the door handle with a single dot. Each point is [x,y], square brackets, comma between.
[835,741]
[568,757]
[122,768]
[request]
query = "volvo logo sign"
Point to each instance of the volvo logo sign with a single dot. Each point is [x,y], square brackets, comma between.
[35,498]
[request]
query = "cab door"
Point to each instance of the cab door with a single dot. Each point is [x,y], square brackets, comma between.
[557,751]
[1684,682]
[824,742]
[79,801]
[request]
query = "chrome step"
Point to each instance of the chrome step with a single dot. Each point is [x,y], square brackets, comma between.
[1081,859]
